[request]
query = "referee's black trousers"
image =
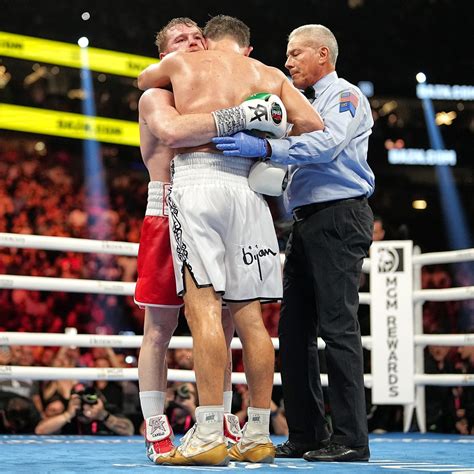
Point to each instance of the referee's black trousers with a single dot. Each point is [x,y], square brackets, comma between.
[320,298]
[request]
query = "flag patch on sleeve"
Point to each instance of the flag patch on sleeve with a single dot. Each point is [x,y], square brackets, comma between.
[348,101]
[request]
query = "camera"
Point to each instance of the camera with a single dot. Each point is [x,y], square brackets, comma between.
[182,392]
[87,395]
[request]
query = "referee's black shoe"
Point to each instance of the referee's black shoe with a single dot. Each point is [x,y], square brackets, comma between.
[292,449]
[338,452]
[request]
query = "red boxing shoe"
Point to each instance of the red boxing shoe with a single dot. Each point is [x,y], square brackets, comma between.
[158,437]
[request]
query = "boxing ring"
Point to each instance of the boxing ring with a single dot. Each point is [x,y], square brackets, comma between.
[391,451]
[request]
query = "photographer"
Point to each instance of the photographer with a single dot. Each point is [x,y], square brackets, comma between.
[86,414]
[180,410]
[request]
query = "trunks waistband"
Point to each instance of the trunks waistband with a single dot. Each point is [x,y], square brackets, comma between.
[210,168]
[156,202]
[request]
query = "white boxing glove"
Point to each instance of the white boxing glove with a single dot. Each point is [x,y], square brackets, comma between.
[266,113]
[268,178]
[263,112]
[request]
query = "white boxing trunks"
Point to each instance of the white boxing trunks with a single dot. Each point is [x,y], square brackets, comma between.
[156,282]
[221,230]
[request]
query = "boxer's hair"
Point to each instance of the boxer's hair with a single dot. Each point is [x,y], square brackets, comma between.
[318,35]
[161,39]
[220,26]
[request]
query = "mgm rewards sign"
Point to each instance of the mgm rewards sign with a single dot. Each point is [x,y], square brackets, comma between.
[391,322]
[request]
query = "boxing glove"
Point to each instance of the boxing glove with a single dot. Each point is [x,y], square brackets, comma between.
[268,178]
[262,112]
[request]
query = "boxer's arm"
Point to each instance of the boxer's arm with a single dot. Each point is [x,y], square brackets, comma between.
[300,112]
[160,74]
[145,78]
[174,130]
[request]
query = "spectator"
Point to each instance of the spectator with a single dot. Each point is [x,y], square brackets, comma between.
[180,410]
[87,412]
[60,389]
[464,396]
[440,409]
[29,389]
[112,391]
[18,415]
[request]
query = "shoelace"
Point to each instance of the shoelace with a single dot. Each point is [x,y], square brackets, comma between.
[186,439]
[330,447]
[244,429]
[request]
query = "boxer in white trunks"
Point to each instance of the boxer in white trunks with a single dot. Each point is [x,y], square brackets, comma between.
[156,287]
[223,239]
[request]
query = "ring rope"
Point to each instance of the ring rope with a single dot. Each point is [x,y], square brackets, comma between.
[71,285]
[134,342]
[122,288]
[131,249]
[74,285]
[186,342]
[68,244]
[16,372]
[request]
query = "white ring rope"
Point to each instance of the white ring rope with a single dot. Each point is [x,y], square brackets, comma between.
[133,342]
[113,247]
[446,380]
[16,372]
[122,288]
[71,285]
[186,342]
[8,372]
[68,244]
[452,256]
[444,294]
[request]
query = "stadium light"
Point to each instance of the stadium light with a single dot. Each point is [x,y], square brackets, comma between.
[83,42]
[421,77]
[419,204]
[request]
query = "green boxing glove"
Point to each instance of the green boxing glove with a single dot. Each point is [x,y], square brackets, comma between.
[263,112]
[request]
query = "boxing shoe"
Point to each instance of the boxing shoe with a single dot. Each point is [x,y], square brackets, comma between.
[198,449]
[232,431]
[158,437]
[253,447]
[262,112]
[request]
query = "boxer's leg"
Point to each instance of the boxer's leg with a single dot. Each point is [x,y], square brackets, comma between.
[231,422]
[205,443]
[258,352]
[203,314]
[160,324]
[229,329]
[259,362]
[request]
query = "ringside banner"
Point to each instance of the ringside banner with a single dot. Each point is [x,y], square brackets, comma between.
[67,54]
[66,124]
[391,322]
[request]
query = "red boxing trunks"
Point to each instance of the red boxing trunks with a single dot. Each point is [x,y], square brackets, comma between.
[156,281]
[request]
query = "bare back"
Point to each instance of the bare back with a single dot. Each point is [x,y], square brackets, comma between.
[210,80]
[205,81]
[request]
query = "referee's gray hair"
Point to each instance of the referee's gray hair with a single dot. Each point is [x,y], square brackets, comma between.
[321,35]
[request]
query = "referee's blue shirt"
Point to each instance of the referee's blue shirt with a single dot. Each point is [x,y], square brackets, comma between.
[332,163]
